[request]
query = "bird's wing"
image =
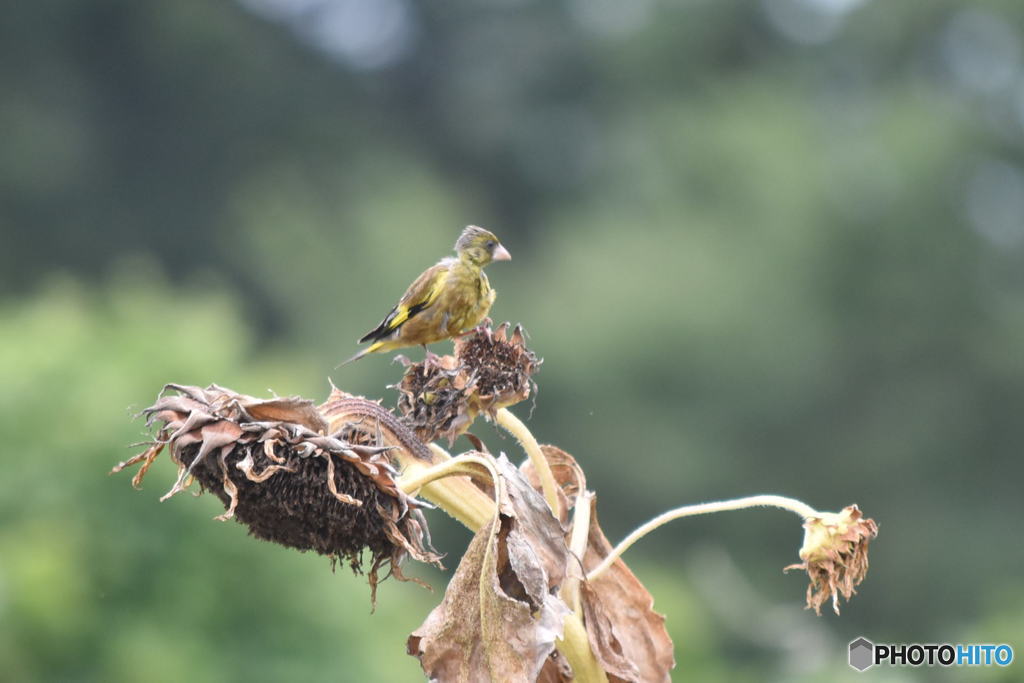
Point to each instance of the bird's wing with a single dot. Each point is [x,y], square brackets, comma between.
[420,295]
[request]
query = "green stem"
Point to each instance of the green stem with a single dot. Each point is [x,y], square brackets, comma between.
[575,647]
[456,495]
[514,426]
[410,482]
[783,502]
[578,548]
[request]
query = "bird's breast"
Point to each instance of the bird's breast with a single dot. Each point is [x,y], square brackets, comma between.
[472,298]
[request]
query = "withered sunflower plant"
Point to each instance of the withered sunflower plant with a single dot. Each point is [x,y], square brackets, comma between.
[540,594]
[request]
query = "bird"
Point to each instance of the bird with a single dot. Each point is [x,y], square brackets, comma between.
[447,299]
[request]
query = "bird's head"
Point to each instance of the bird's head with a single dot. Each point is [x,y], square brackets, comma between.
[480,247]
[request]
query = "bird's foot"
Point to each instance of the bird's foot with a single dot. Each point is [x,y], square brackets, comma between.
[429,360]
[483,328]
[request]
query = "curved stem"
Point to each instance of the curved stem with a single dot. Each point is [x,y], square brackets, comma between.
[578,548]
[575,647]
[514,426]
[456,494]
[791,504]
[460,465]
[438,452]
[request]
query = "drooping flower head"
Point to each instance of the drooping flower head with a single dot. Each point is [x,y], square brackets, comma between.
[278,468]
[835,555]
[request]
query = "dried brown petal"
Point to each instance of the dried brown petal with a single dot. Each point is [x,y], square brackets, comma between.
[294,409]
[835,555]
[275,468]
[501,614]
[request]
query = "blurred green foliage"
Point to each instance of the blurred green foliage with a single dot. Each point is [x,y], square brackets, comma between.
[101,582]
[762,246]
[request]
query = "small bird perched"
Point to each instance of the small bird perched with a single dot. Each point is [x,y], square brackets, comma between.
[447,299]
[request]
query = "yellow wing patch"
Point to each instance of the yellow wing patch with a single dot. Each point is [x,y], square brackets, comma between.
[420,295]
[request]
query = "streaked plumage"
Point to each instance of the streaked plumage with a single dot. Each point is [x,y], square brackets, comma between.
[449,298]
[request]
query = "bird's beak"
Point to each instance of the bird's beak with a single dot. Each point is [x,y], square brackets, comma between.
[501,254]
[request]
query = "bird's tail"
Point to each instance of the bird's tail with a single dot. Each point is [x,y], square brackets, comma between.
[376,346]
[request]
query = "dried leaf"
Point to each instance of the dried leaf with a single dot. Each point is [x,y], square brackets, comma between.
[627,636]
[604,643]
[536,546]
[568,475]
[501,614]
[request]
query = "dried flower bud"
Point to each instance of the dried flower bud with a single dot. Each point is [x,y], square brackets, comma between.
[277,470]
[490,370]
[835,555]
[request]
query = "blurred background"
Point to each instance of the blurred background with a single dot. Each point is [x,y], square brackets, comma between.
[763,246]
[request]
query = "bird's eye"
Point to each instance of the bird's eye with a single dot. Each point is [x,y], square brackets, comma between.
[491,244]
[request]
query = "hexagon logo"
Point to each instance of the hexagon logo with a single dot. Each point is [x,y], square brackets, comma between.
[862,654]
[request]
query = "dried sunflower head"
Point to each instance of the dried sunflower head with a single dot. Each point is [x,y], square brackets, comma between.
[835,555]
[278,470]
[491,369]
[433,397]
[500,365]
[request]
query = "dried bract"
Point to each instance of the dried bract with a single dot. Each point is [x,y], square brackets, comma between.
[276,469]
[835,555]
